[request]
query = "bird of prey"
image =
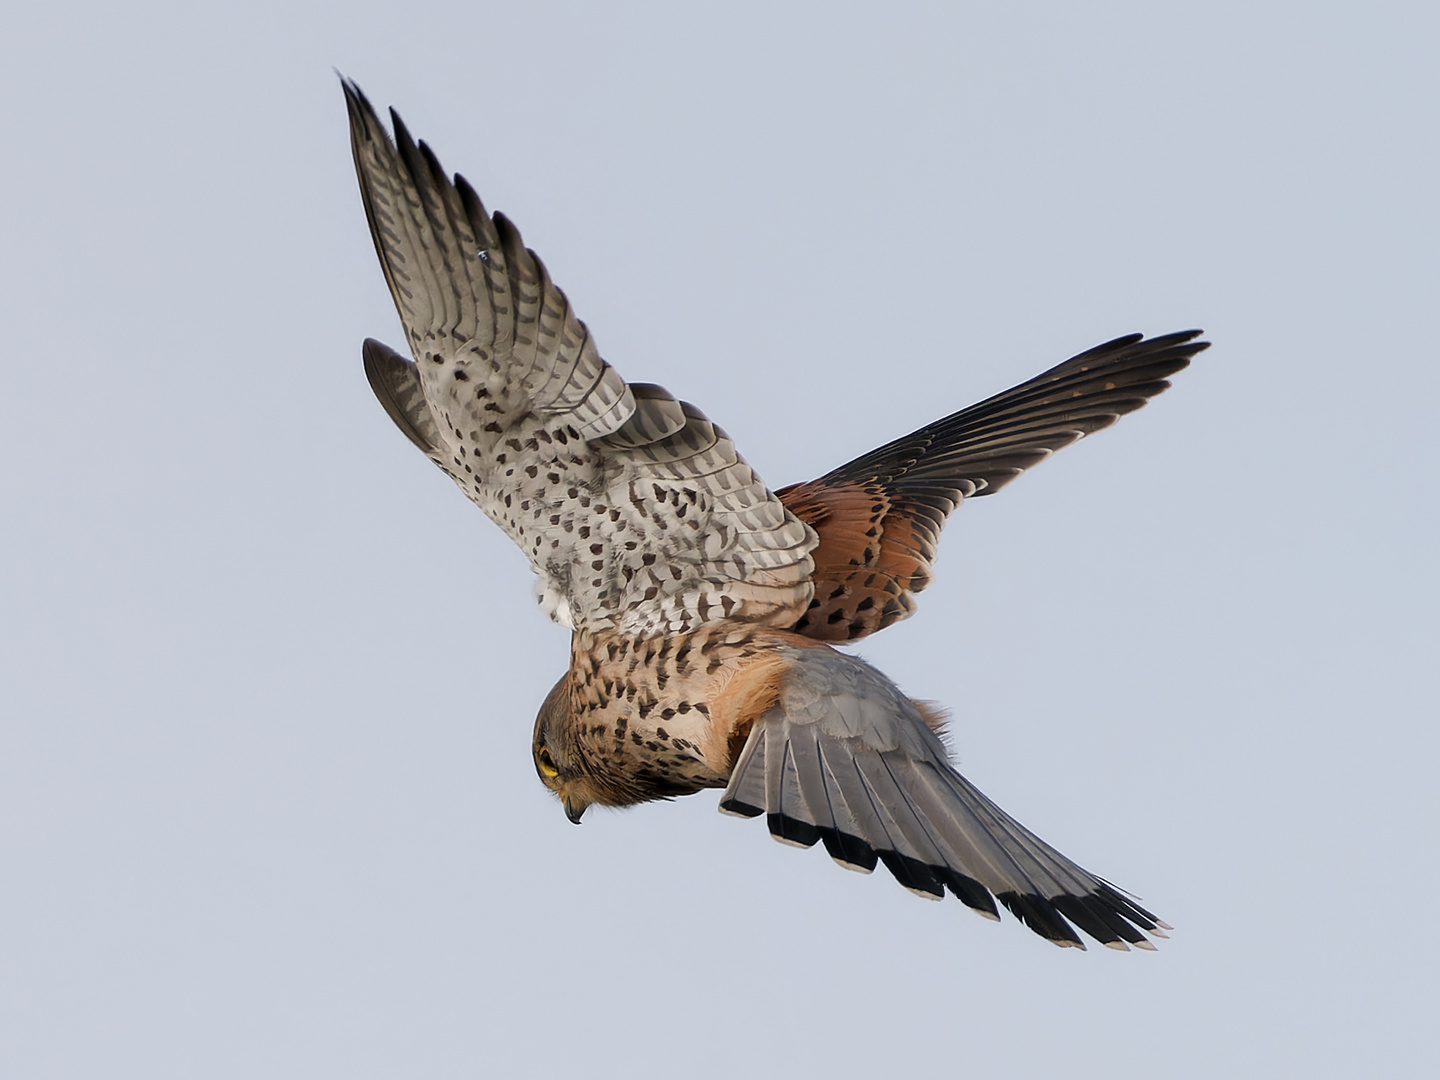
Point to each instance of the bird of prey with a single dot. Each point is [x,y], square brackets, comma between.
[704,607]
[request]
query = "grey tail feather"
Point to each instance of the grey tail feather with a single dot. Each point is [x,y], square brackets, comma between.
[934,831]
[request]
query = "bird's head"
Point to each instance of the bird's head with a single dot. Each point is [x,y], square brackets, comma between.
[559,761]
[578,758]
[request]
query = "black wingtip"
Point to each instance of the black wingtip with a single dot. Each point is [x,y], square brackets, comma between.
[403,142]
[366,127]
[359,105]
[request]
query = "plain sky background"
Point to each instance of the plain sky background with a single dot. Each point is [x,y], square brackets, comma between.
[267,679]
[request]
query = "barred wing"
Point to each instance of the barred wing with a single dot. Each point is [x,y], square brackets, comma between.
[633,508]
[879,517]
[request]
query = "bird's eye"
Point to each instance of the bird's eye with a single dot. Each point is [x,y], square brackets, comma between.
[547,763]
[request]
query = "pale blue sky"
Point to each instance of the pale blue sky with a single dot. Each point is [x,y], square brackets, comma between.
[267,680]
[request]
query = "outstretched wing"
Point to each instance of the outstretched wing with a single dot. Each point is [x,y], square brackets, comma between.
[634,509]
[844,758]
[879,517]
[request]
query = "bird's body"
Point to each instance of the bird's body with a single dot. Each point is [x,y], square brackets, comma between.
[659,716]
[703,605]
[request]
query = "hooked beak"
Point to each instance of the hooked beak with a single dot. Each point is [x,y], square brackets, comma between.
[574,810]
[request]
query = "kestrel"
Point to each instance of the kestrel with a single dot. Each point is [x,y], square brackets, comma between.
[705,607]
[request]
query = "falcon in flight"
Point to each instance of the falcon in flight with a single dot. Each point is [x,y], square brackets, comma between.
[704,607]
